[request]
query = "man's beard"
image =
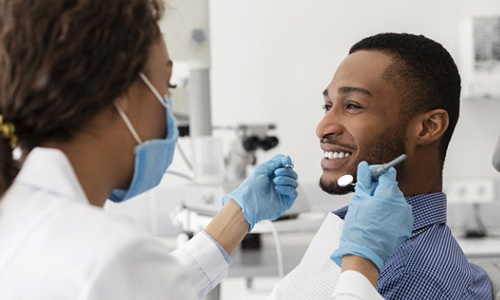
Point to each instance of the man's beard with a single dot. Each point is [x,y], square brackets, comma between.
[388,148]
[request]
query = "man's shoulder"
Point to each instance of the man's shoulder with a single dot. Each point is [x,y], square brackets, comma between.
[341,212]
[434,246]
[431,260]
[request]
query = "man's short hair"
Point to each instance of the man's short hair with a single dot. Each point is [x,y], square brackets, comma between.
[424,72]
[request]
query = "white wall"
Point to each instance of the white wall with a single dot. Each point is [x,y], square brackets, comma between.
[271,60]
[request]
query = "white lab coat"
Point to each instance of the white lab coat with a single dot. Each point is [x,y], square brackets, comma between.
[55,245]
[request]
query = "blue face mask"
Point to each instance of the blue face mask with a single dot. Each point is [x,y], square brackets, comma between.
[153,157]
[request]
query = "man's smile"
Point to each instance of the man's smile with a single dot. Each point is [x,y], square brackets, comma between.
[336,154]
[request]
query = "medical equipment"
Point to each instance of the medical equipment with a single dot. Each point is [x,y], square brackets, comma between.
[250,138]
[204,199]
[496,156]
[198,201]
[347,179]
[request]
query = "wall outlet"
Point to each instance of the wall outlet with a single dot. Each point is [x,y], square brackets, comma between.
[470,190]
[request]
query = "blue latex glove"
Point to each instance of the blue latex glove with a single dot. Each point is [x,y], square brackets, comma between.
[378,220]
[267,192]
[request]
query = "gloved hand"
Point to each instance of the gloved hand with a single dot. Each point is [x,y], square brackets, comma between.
[378,220]
[267,192]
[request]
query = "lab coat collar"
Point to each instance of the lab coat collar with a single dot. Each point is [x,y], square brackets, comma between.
[50,170]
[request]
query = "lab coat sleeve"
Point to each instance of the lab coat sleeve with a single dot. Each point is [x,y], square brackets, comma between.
[352,285]
[204,263]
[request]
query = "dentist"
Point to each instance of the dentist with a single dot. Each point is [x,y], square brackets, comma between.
[86,116]
[82,107]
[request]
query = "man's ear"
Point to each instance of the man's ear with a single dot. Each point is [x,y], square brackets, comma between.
[430,126]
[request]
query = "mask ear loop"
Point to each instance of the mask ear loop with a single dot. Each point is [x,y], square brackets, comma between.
[153,89]
[128,123]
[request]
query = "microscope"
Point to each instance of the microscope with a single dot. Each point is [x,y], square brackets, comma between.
[250,138]
[201,199]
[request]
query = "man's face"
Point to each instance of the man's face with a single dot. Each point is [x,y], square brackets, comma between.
[361,119]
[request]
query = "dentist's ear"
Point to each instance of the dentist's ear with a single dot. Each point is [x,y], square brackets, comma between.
[130,99]
[123,101]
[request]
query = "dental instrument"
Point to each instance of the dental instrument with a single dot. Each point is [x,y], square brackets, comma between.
[347,179]
[290,165]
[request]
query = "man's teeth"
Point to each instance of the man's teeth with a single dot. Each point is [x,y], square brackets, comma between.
[336,155]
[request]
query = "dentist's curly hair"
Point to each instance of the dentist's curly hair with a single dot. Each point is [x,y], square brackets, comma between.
[62,61]
[424,71]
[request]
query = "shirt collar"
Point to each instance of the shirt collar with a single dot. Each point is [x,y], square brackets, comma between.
[50,170]
[427,209]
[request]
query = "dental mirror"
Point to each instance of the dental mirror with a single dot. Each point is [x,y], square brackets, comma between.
[345,180]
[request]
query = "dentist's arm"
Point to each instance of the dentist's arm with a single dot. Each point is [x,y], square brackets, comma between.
[228,227]
[268,191]
[361,265]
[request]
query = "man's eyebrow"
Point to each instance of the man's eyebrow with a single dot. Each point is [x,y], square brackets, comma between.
[170,63]
[349,90]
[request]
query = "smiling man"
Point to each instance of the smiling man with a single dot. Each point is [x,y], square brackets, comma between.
[397,94]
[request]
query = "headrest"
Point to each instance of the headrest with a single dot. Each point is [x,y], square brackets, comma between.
[496,156]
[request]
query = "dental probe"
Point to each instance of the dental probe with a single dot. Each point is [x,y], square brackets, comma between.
[347,179]
[385,167]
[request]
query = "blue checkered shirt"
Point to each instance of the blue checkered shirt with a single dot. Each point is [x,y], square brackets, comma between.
[430,264]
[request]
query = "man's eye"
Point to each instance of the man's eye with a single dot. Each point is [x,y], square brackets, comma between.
[172,86]
[326,107]
[352,106]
